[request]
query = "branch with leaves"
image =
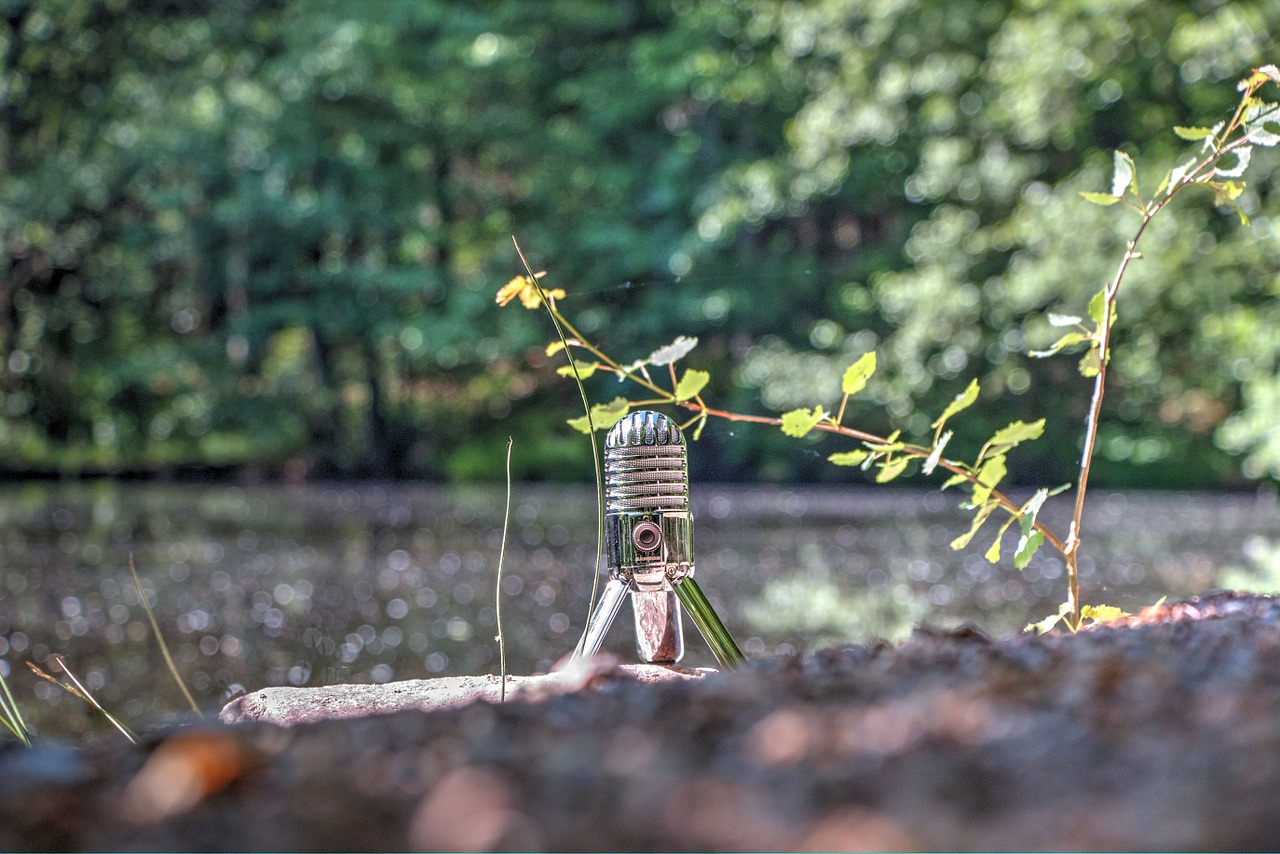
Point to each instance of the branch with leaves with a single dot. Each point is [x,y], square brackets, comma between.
[1218,166]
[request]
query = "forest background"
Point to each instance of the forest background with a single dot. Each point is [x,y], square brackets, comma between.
[264,237]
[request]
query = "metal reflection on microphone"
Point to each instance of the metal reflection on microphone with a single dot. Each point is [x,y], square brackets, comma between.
[648,544]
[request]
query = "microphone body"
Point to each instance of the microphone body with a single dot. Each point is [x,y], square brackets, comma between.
[648,544]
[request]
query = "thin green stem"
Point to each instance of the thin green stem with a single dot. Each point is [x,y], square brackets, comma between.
[84,694]
[11,716]
[164,647]
[497,604]
[591,427]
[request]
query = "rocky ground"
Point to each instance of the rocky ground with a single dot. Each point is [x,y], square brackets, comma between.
[1158,732]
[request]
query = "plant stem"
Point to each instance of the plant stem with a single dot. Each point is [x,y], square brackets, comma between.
[497,603]
[164,647]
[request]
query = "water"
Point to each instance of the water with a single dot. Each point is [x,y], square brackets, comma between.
[304,586]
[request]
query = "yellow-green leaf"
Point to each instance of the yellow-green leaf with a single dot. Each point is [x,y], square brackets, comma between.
[585,369]
[989,476]
[855,378]
[691,383]
[1102,613]
[1090,363]
[993,552]
[962,401]
[849,458]
[1068,340]
[891,469]
[1048,623]
[984,512]
[798,422]
[1103,199]
[1192,134]
[1014,435]
[603,415]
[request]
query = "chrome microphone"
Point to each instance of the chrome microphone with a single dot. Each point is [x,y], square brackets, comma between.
[648,544]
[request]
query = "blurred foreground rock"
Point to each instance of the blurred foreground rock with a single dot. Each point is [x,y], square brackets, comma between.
[1157,732]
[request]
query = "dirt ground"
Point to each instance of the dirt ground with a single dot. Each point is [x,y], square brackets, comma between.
[1157,732]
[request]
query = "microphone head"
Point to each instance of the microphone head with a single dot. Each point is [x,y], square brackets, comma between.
[648,525]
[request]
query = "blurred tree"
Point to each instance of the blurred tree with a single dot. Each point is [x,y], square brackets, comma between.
[256,231]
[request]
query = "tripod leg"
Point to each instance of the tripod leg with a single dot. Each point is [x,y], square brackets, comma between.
[615,590]
[704,617]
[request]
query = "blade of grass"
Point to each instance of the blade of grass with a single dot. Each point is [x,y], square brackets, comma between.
[164,647]
[10,716]
[497,606]
[591,434]
[83,693]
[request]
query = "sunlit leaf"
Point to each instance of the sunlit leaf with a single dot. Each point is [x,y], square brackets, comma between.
[989,476]
[585,369]
[855,378]
[673,352]
[1243,155]
[603,415]
[1192,134]
[1104,199]
[889,445]
[993,551]
[691,383]
[554,347]
[798,422]
[1014,435]
[1068,340]
[1124,175]
[1258,121]
[891,469]
[984,513]
[1090,364]
[1063,319]
[1102,613]
[954,480]
[962,401]
[1048,623]
[1097,306]
[849,458]
[1178,173]
[935,454]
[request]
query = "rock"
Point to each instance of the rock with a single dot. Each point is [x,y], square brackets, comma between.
[291,706]
[1161,731]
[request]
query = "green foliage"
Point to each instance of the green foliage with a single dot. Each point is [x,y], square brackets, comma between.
[891,456]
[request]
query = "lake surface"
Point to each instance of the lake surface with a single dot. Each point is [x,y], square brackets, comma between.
[314,585]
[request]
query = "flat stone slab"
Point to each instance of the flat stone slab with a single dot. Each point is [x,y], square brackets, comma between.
[288,706]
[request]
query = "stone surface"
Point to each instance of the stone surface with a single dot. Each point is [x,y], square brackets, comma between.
[291,706]
[1158,732]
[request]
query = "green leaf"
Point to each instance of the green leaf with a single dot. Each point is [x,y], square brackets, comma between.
[1013,435]
[603,415]
[1027,546]
[984,512]
[798,422]
[1178,174]
[962,401]
[1243,155]
[1102,613]
[849,458]
[993,552]
[585,369]
[1104,199]
[1124,175]
[673,352]
[1097,306]
[935,455]
[1256,122]
[691,383]
[954,480]
[1192,134]
[891,469]
[855,378]
[1090,364]
[989,476]
[1048,623]
[889,445]
[1068,340]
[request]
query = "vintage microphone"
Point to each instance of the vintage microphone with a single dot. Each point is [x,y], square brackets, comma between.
[648,544]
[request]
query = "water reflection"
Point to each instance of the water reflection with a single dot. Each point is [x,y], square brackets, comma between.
[288,586]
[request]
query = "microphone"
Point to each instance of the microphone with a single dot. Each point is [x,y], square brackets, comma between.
[648,544]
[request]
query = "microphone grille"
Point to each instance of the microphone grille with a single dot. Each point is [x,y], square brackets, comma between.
[646,464]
